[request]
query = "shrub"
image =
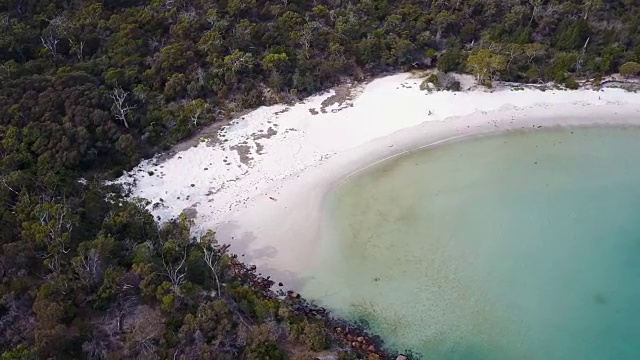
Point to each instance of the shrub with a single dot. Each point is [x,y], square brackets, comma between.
[262,344]
[630,68]
[312,335]
[570,83]
[449,60]
[431,79]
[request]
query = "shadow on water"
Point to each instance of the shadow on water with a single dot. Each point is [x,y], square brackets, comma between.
[600,299]
[242,243]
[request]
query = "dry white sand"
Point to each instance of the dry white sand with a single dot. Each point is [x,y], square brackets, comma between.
[264,182]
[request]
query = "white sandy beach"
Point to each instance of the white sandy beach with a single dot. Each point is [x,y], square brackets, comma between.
[261,187]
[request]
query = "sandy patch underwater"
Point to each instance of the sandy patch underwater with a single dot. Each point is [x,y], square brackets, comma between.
[522,245]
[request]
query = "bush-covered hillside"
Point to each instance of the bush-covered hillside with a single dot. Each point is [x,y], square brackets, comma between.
[87,88]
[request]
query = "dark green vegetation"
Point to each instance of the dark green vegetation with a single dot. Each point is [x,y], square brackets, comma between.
[89,87]
[98,280]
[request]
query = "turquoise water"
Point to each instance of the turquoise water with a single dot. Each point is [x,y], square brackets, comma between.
[516,246]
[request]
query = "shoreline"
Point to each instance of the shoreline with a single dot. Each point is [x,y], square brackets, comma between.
[268,203]
[469,137]
[303,205]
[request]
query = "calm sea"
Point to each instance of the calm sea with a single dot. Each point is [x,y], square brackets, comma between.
[523,245]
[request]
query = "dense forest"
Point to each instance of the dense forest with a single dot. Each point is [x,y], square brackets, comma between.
[88,88]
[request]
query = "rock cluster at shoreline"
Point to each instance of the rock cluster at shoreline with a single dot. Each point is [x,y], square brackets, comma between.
[306,154]
[343,332]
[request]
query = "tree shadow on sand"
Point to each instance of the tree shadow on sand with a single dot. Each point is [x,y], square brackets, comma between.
[242,243]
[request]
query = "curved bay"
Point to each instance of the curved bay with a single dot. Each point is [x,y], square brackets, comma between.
[524,245]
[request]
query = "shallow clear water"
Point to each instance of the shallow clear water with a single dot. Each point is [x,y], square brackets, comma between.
[516,246]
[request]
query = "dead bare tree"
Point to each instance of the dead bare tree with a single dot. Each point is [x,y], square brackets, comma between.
[305,38]
[584,47]
[581,56]
[50,43]
[55,219]
[176,272]
[536,9]
[145,346]
[143,332]
[126,304]
[120,107]
[56,21]
[532,51]
[168,4]
[212,260]
[512,51]
[59,27]
[194,117]
[3,180]
[88,267]
[213,255]
[195,108]
[156,42]
[78,48]
[56,224]
[590,6]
